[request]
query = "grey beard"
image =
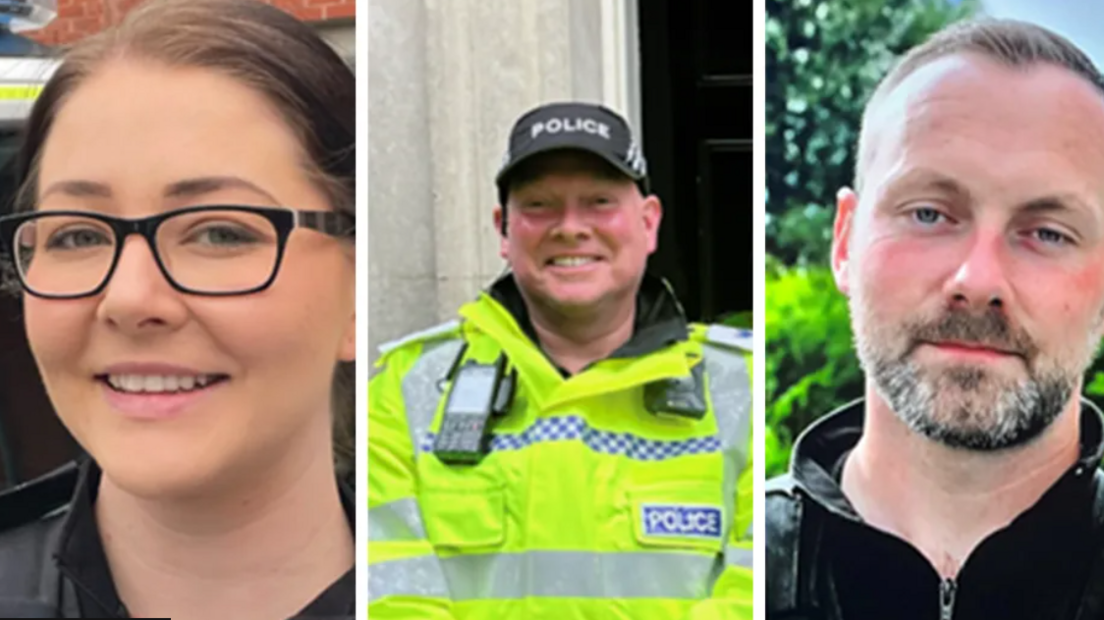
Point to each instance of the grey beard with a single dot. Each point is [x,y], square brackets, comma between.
[983,415]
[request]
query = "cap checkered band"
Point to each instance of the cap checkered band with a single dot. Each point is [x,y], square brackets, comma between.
[575,428]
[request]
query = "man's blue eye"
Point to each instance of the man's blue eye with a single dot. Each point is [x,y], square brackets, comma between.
[925,215]
[1052,237]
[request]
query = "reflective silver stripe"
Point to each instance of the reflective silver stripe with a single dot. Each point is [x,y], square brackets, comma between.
[579,574]
[738,556]
[730,336]
[426,334]
[419,386]
[396,521]
[419,576]
[730,395]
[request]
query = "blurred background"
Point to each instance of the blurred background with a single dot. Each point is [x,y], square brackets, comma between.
[32,35]
[447,80]
[824,58]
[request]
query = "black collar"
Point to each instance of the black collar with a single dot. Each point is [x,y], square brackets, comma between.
[659,322]
[820,451]
[1035,567]
[80,557]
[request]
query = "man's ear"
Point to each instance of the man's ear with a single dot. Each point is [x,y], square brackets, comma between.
[653,217]
[500,226]
[846,204]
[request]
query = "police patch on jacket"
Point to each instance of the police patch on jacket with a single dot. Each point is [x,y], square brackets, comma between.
[675,520]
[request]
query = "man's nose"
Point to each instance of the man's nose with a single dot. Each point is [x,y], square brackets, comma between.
[980,280]
[573,221]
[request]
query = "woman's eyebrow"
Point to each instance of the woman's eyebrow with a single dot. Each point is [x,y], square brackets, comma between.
[189,188]
[78,188]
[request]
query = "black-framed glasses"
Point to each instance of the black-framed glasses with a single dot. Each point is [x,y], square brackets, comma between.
[212,250]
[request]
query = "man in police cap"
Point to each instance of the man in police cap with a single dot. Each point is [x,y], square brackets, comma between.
[571,447]
[965,484]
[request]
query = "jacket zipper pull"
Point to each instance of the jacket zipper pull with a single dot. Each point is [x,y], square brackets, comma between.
[947,589]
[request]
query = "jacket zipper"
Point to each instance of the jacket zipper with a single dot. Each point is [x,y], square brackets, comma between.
[947,589]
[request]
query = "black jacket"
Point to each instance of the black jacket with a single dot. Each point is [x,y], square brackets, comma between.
[825,563]
[52,562]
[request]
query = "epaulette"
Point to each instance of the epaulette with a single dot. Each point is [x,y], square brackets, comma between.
[731,337]
[38,498]
[426,335]
[784,485]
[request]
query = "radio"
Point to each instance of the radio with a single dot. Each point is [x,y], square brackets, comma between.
[479,393]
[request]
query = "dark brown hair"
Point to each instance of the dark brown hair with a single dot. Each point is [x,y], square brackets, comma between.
[265,49]
[1009,42]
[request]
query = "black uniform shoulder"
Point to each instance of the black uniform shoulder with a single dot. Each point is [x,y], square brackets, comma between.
[1098,497]
[783,507]
[31,518]
[38,499]
[780,485]
[783,539]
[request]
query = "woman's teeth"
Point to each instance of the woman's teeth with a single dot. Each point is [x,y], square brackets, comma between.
[158,384]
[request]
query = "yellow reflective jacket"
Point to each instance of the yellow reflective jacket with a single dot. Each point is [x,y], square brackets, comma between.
[587,505]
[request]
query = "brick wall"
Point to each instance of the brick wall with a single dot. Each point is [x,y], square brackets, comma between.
[79,18]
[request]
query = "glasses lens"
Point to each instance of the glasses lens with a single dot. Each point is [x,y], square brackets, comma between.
[218,251]
[63,254]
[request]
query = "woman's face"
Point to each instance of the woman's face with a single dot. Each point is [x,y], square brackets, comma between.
[139,139]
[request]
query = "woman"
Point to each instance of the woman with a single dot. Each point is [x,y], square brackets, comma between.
[183,238]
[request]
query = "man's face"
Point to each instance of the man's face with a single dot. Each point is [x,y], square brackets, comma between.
[974,258]
[578,234]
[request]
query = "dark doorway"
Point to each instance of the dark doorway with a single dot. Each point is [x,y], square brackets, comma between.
[696,95]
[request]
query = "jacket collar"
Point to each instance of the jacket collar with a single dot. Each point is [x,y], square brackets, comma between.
[820,451]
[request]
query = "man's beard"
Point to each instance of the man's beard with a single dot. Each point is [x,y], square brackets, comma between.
[968,406]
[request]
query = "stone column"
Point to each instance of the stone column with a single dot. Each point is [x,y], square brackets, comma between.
[447,79]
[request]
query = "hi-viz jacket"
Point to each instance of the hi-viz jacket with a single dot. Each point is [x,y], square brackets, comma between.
[825,563]
[587,505]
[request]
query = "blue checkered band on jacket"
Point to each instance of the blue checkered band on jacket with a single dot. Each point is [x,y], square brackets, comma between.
[574,428]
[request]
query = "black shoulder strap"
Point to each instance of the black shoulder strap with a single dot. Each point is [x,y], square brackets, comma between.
[783,530]
[36,498]
[1098,498]
[793,549]
[31,520]
[1092,599]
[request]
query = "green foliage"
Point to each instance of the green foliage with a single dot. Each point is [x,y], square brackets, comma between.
[1095,386]
[811,368]
[742,320]
[1094,381]
[824,59]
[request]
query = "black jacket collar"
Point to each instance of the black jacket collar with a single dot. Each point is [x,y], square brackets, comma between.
[80,557]
[819,452]
[660,321]
[1035,567]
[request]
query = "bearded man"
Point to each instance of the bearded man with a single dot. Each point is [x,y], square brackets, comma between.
[965,483]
